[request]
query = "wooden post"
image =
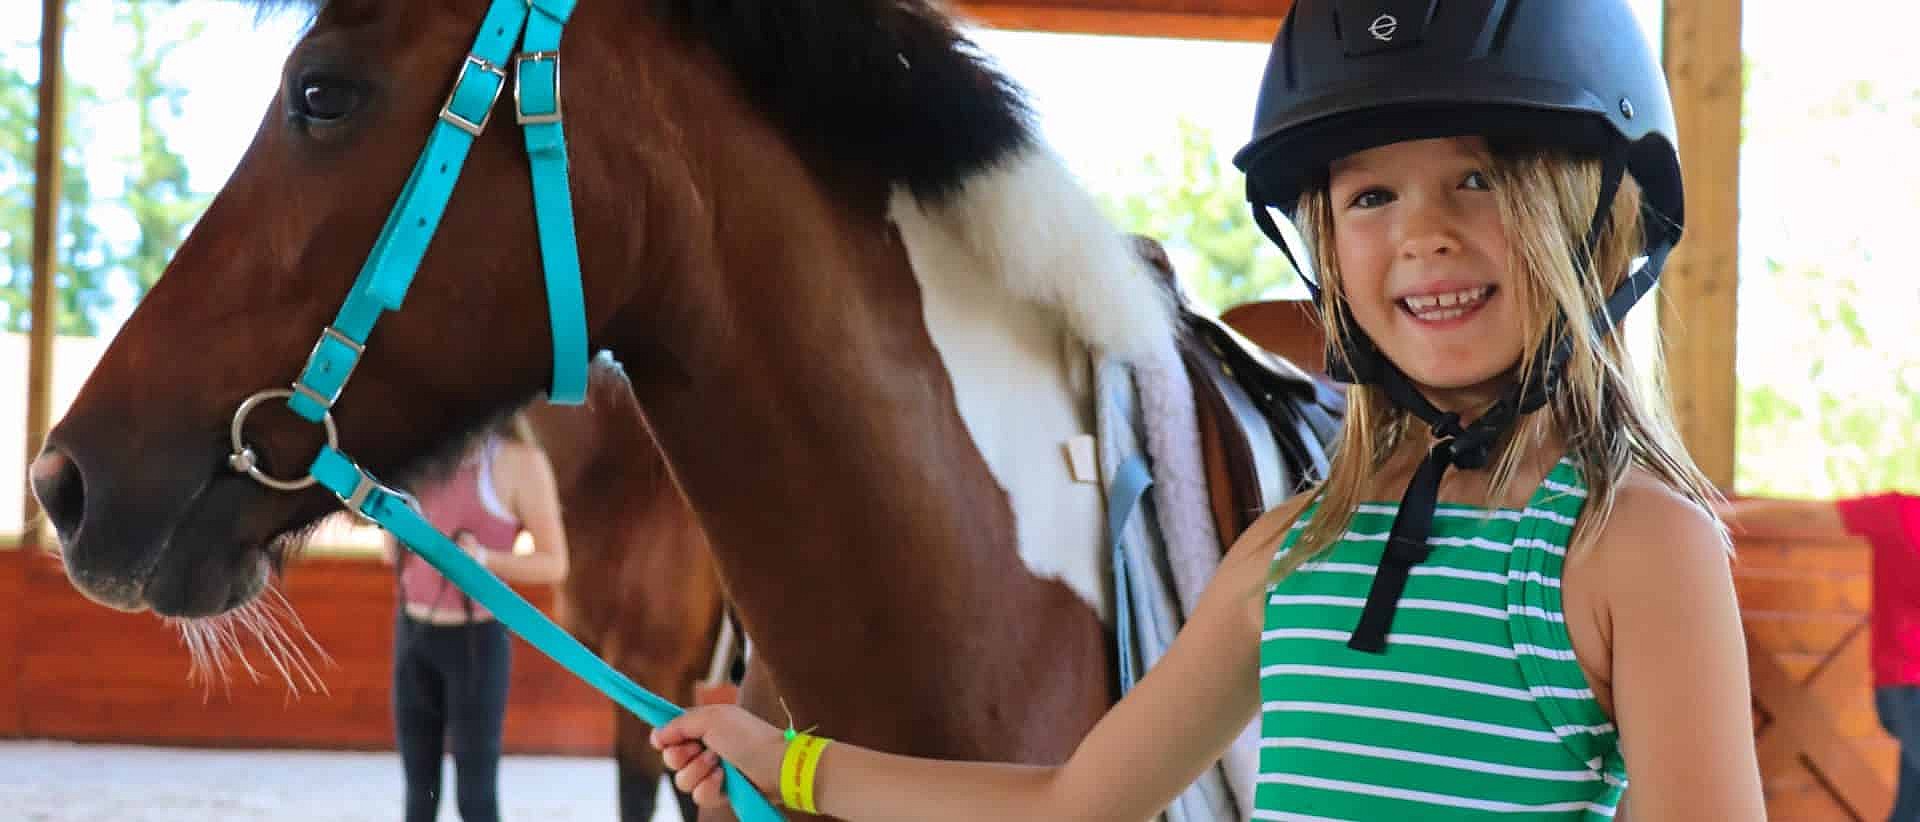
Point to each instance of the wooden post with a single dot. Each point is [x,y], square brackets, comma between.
[1248,20]
[46,254]
[1697,292]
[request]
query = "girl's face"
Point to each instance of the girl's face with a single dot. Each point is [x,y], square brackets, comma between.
[1425,267]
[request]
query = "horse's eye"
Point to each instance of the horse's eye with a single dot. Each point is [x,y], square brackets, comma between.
[327,100]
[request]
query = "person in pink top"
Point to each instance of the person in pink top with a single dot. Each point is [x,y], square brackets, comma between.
[451,659]
[1890,523]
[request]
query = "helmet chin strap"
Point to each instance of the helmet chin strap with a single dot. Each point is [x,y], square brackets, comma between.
[1469,446]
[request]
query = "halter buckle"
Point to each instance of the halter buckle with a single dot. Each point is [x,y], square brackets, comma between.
[356,502]
[520,114]
[326,401]
[455,118]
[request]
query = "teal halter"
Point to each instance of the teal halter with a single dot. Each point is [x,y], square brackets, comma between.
[382,285]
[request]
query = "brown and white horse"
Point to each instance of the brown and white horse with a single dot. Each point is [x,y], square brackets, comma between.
[856,297]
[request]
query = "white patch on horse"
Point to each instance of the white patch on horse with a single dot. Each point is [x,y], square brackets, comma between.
[1020,275]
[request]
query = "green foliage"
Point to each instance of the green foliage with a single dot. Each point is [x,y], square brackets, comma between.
[82,258]
[156,193]
[1829,401]
[1841,416]
[162,204]
[1196,206]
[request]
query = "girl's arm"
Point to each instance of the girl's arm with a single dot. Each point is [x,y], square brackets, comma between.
[1809,519]
[533,497]
[1679,663]
[1136,760]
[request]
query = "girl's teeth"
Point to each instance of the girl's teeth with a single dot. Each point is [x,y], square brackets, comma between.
[1446,306]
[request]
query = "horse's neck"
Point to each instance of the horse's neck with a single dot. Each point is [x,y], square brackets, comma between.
[857,508]
[802,383]
[819,437]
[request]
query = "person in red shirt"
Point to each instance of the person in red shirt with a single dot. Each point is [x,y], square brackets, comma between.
[452,659]
[1890,523]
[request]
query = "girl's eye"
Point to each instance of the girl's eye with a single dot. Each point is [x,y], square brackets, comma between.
[1371,198]
[1476,181]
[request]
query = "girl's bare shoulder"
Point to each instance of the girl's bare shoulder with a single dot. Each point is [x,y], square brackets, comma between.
[1656,544]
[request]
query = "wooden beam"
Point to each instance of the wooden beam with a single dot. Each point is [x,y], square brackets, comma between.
[46,255]
[1697,301]
[1246,20]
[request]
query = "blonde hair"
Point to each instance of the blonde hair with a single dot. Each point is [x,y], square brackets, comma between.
[1610,420]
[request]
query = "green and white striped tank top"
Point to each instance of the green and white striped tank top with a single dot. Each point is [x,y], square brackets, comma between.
[1477,709]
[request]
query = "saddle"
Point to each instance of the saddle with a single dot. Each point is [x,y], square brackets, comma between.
[1266,425]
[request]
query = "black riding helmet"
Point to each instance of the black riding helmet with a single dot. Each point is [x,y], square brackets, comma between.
[1349,75]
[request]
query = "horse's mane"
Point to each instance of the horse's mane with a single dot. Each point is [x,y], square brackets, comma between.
[890,87]
[887,85]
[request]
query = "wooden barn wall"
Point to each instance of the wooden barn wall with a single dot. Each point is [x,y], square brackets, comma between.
[1822,753]
[80,671]
[14,606]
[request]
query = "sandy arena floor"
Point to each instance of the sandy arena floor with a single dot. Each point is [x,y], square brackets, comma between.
[44,781]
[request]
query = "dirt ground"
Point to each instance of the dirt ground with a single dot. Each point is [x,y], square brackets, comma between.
[43,781]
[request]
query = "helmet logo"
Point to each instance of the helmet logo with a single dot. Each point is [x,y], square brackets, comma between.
[1373,26]
[1384,27]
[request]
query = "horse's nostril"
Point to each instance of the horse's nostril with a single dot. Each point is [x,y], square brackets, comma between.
[60,490]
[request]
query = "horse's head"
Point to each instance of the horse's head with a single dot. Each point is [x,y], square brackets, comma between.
[138,478]
[746,182]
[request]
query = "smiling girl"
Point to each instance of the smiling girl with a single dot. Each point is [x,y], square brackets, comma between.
[1509,599]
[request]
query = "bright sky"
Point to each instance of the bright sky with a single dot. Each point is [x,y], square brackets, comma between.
[1831,181]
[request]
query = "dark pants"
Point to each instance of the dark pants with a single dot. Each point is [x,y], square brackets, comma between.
[1899,708]
[450,685]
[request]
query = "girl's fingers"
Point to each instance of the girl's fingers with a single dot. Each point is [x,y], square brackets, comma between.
[712,791]
[671,733]
[677,756]
[689,726]
[682,746]
[697,772]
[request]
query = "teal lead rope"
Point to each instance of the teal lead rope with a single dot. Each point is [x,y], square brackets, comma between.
[396,513]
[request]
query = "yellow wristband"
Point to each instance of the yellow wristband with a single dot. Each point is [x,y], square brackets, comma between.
[798,768]
[790,772]
[809,768]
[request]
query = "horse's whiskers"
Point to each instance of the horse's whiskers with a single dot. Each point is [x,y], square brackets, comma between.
[211,641]
[274,615]
[205,651]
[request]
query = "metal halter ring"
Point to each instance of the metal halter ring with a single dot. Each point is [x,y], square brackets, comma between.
[243,459]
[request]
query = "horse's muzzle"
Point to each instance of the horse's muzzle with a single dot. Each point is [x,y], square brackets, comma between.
[61,490]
